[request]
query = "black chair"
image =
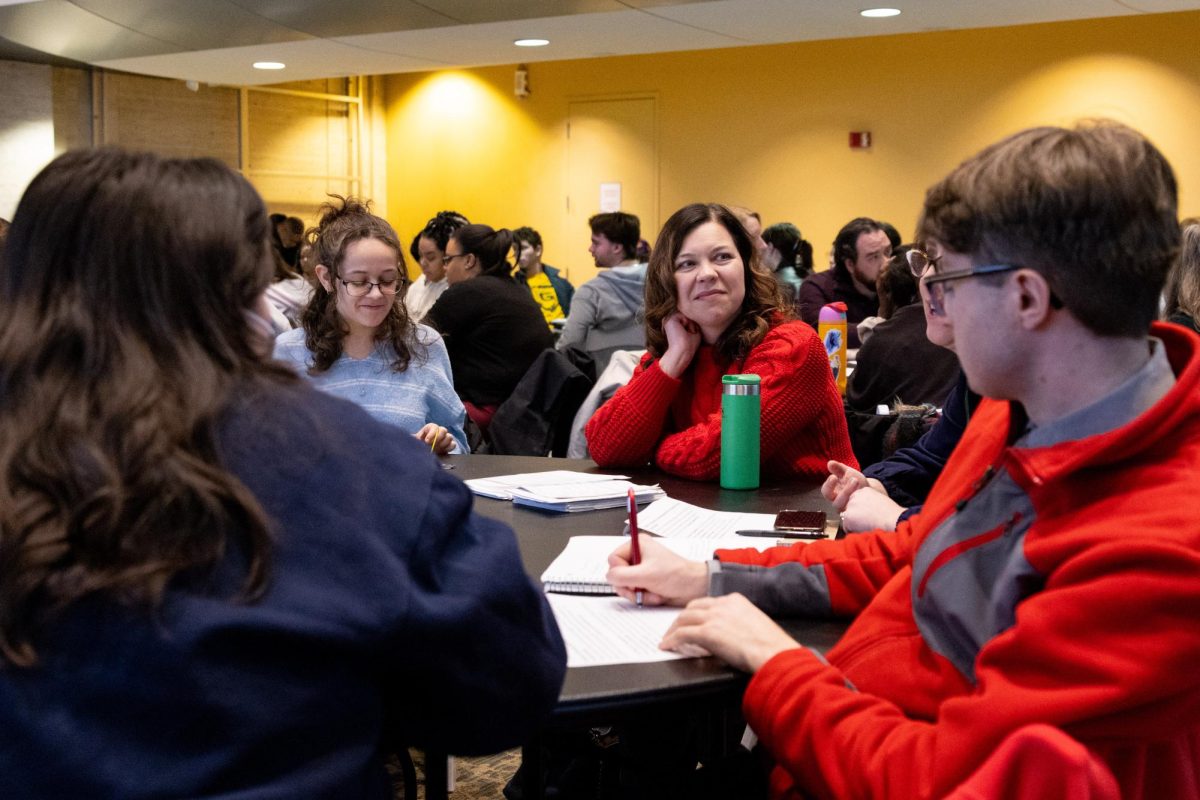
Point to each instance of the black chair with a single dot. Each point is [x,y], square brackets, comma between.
[536,419]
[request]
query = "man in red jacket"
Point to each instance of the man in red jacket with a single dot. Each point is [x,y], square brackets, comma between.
[1053,576]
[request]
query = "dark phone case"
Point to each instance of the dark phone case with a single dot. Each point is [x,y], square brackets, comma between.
[792,520]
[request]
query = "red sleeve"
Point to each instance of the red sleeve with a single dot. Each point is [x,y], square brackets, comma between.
[856,567]
[795,375]
[623,431]
[1106,651]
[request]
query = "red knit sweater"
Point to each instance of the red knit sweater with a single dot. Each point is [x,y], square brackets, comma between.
[803,424]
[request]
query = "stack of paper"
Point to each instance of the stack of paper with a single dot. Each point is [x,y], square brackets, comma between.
[561,490]
[500,488]
[584,497]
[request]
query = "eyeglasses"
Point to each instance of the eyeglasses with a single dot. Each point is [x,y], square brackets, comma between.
[447,259]
[919,261]
[935,284]
[363,288]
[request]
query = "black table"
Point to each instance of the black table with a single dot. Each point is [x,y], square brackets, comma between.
[608,694]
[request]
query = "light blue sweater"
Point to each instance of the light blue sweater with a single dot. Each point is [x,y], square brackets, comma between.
[422,393]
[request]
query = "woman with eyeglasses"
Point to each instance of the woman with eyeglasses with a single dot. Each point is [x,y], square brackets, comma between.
[493,328]
[884,493]
[357,340]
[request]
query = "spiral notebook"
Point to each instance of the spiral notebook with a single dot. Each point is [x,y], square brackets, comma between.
[581,566]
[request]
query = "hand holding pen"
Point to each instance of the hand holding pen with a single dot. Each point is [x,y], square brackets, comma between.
[659,575]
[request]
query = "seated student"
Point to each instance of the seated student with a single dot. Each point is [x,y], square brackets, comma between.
[289,291]
[1053,575]
[219,581]
[357,340]
[431,252]
[549,289]
[860,250]
[711,310]
[493,329]
[897,362]
[606,311]
[788,255]
[894,489]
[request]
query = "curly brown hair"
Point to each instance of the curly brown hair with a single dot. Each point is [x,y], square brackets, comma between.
[343,221]
[763,307]
[123,342]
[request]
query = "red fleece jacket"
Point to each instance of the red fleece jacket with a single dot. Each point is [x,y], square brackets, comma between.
[1105,643]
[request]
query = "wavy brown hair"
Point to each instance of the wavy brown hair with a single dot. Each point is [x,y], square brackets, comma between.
[342,223]
[123,340]
[762,308]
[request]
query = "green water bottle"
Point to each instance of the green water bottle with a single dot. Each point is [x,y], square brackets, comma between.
[740,410]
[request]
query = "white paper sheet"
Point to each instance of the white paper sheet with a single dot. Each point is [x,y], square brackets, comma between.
[674,518]
[610,630]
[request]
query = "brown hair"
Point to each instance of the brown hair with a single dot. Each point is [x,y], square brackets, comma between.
[123,340]
[342,224]
[619,227]
[761,309]
[1183,285]
[1092,209]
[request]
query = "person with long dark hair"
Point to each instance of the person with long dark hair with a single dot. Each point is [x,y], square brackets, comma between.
[493,328]
[216,580]
[358,341]
[788,255]
[712,310]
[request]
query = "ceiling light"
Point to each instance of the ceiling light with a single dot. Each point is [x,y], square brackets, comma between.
[880,12]
[269,65]
[531,42]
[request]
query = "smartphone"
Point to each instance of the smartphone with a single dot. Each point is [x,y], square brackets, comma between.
[793,520]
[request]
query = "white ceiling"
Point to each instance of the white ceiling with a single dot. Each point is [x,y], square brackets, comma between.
[216,41]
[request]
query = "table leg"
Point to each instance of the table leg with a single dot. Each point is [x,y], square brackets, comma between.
[533,784]
[436,775]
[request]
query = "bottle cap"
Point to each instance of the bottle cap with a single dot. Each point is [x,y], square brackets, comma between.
[740,384]
[833,312]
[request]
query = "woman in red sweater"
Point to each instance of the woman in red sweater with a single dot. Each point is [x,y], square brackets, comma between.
[711,310]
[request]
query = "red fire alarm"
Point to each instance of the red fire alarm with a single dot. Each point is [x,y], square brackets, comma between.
[860,140]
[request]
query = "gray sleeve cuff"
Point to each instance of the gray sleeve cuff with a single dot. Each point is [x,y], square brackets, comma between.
[786,590]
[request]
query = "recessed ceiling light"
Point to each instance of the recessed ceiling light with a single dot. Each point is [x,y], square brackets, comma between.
[531,42]
[880,12]
[269,65]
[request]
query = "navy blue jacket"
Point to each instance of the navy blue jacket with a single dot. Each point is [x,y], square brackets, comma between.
[908,474]
[394,614]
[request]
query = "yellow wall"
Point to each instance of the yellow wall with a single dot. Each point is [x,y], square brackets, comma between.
[767,126]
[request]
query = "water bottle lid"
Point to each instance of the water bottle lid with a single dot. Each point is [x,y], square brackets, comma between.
[833,312]
[740,384]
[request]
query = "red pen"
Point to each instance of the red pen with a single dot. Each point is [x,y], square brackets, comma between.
[635,549]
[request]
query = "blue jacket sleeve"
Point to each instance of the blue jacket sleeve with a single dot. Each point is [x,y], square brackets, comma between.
[909,473]
[478,661]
